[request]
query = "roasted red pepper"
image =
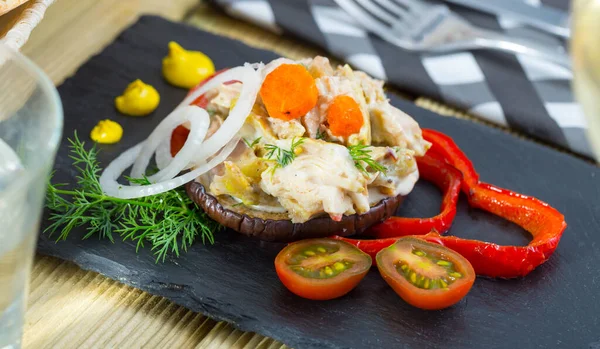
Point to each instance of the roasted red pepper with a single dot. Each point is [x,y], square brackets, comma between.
[448,179]
[545,223]
[178,139]
[445,147]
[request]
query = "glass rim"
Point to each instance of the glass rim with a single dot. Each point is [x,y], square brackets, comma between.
[56,114]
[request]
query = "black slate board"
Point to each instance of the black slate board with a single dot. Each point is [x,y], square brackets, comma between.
[557,305]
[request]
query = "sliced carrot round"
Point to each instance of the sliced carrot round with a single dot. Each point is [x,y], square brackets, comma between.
[344,116]
[289,92]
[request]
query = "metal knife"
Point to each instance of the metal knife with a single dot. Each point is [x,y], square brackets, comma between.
[543,17]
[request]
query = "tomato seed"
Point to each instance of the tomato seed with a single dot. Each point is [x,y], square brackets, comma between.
[338,266]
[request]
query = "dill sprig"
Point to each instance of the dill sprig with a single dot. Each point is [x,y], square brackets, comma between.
[168,221]
[320,134]
[361,153]
[283,157]
[254,142]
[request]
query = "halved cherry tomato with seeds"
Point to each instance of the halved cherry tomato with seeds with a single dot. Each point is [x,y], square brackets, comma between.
[425,275]
[321,269]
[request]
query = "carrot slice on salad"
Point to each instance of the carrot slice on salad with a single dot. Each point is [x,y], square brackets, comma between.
[344,116]
[289,92]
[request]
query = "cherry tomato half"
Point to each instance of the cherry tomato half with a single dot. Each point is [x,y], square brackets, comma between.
[425,275]
[321,269]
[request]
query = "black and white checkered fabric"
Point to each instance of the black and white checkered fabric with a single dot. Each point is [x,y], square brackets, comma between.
[517,91]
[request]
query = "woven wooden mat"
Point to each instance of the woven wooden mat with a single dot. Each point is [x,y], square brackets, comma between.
[72,308]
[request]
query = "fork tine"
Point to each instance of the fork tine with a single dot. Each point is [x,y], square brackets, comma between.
[376,11]
[409,5]
[392,7]
[366,19]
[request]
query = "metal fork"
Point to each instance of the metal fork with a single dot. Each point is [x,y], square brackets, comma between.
[417,25]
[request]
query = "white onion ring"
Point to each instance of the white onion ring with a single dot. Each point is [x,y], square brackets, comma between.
[199,121]
[251,82]
[163,153]
[250,86]
[110,186]
[197,150]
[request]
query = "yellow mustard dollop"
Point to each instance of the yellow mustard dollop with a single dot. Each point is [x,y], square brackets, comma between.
[107,132]
[184,68]
[138,99]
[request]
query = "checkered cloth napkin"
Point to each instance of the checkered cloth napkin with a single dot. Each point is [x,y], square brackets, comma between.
[517,91]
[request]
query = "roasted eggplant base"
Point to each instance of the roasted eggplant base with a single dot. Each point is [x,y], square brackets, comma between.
[277,227]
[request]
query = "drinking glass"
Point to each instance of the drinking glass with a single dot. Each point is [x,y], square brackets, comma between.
[30,130]
[585,50]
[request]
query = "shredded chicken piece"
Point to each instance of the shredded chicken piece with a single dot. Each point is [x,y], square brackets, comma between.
[390,126]
[233,182]
[318,66]
[224,98]
[286,129]
[401,170]
[322,178]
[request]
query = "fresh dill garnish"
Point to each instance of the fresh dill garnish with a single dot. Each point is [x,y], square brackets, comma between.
[361,153]
[283,157]
[254,142]
[168,221]
[320,134]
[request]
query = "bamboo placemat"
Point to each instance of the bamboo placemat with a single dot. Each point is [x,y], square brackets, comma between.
[73,308]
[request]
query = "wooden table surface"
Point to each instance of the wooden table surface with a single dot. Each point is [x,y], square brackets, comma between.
[73,308]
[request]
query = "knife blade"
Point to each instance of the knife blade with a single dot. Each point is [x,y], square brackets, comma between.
[543,17]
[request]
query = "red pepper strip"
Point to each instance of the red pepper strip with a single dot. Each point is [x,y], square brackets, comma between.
[445,146]
[448,179]
[178,139]
[371,247]
[542,221]
[489,259]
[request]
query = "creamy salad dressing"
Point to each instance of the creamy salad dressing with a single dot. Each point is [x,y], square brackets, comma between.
[321,175]
[322,178]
